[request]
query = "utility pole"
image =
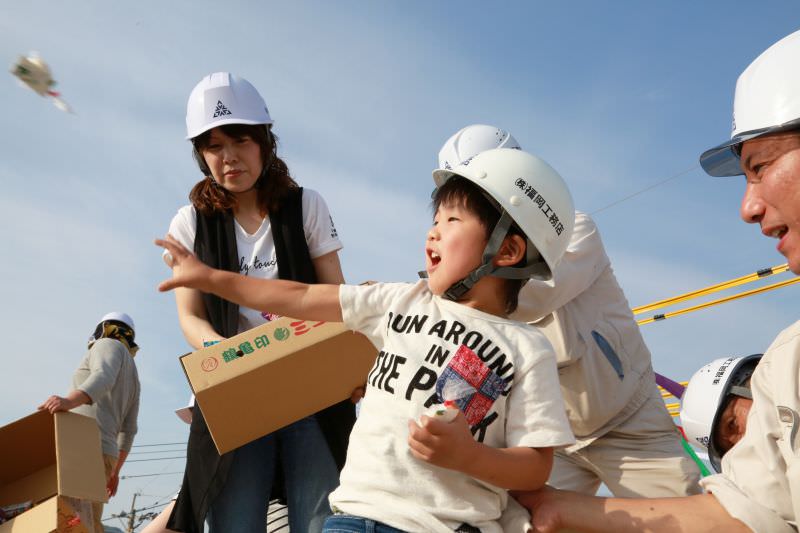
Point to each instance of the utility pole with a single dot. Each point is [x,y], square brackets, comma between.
[132,515]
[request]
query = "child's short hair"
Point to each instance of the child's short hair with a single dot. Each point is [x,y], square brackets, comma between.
[458,190]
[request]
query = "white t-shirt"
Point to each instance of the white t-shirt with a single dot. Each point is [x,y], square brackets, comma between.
[257,251]
[428,344]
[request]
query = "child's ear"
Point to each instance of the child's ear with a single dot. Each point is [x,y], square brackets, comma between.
[511,252]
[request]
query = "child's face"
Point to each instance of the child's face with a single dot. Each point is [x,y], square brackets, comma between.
[454,246]
[235,163]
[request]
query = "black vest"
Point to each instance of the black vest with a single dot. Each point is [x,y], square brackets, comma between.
[215,245]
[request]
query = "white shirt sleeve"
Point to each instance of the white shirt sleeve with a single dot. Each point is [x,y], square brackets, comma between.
[584,260]
[742,507]
[363,307]
[184,226]
[321,234]
[536,413]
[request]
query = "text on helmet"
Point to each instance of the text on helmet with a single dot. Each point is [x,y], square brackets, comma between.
[541,203]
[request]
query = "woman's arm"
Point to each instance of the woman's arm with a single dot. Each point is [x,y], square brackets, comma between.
[193,319]
[328,269]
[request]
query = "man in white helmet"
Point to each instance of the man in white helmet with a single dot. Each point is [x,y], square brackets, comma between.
[605,368]
[105,386]
[759,487]
[715,405]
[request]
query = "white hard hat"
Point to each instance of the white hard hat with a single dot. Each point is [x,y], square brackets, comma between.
[767,100]
[704,399]
[223,98]
[529,193]
[119,317]
[468,142]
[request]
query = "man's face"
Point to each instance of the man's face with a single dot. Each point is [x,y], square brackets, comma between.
[732,423]
[772,196]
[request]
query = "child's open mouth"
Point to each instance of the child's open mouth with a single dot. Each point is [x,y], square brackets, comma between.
[433,258]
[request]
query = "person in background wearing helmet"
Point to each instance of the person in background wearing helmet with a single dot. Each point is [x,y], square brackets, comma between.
[105,386]
[248,215]
[443,343]
[625,436]
[715,405]
[759,486]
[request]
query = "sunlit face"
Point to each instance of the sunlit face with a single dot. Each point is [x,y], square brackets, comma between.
[733,422]
[454,246]
[235,163]
[772,195]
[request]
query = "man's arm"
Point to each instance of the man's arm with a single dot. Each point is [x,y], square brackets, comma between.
[451,445]
[113,481]
[553,510]
[287,298]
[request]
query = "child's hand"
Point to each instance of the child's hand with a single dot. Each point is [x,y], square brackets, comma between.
[446,444]
[187,270]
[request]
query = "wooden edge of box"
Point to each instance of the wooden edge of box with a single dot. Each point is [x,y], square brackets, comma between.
[81,473]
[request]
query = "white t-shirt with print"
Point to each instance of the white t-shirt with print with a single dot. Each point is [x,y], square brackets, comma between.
[506,371]
[257,250]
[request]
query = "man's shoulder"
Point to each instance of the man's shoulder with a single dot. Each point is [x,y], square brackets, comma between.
[789,336]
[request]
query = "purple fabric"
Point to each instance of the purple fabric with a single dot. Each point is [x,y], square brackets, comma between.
[672,387]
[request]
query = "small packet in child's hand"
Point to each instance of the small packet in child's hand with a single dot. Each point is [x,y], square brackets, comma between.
[452,391]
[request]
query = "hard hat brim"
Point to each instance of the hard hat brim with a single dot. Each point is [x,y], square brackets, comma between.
[723,160]
[225,122]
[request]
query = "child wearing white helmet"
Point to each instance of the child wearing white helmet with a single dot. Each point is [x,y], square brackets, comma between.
[443,342]
[605,368]
[248,215]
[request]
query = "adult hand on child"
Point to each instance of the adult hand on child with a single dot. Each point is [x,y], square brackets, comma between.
[187,270]
[544,507]
[446,444]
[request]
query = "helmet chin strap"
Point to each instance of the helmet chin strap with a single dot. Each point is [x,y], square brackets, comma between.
[534,267]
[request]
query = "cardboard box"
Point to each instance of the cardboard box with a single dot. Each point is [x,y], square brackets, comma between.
[270,376]
[56,462]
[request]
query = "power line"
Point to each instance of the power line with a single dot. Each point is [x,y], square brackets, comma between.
[153,459]
[160,444]
[149,475]
[653,186]
[152,452]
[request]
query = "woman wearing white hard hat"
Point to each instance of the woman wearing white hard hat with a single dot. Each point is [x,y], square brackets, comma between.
[605,369]
[248,215]
[759,486]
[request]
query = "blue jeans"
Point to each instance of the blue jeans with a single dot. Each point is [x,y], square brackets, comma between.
[345,523]
[309,471]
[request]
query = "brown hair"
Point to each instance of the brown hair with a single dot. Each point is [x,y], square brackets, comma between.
[273,184]
[458,190]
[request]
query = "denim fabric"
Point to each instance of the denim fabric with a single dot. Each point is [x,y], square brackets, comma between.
[343,523]
[309,470]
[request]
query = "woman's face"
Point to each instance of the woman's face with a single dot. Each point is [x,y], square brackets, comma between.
[235,163]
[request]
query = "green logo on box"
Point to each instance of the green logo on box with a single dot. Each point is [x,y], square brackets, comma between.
[281,334]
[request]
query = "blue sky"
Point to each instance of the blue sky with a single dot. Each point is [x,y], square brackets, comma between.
[616,96]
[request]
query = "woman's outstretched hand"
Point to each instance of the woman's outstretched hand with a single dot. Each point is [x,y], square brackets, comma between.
[187,269]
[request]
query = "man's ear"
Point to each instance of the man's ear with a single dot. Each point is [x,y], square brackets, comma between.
[511,252]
